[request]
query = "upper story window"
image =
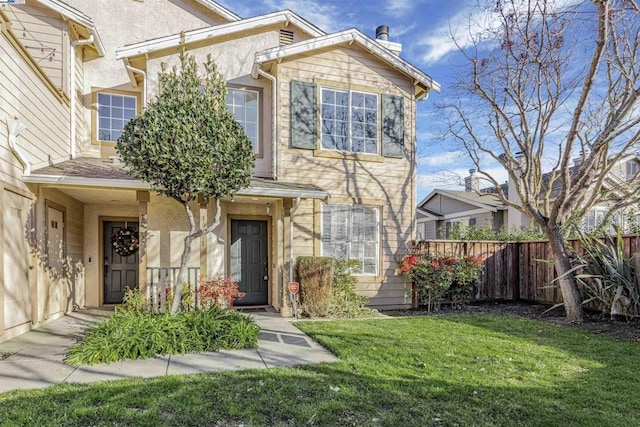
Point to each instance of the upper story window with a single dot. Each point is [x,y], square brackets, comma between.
[114,111]
[244,104]
[349,121]
[352,231]
[361,124]
[633,168]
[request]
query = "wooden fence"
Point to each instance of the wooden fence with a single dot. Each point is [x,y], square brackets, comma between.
[515,270]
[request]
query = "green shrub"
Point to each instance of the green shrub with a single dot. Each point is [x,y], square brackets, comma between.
[462,231]
[187,302]
[315,275]
[345,303]
[607,277]
[133,300]
[440,278]
[140,335]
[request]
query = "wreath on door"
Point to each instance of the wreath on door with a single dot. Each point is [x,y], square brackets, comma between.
[125,242]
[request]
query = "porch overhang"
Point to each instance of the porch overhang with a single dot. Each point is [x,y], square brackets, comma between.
[99,173]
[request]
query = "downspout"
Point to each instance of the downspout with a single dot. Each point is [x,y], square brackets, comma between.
[291,215]
[15,127]
[144,83]
[72,90]
[274,121]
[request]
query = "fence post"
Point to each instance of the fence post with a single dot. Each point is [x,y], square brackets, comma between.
[515,266]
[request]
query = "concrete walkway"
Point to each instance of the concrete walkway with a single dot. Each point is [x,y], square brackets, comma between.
[36,359]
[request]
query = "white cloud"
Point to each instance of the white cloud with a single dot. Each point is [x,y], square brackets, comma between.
[442,159]
[319,13]
[465,27]
[398,8]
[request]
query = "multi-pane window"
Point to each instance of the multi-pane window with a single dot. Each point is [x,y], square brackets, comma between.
[349,121]
[114,111]
[244,106]
[352,231]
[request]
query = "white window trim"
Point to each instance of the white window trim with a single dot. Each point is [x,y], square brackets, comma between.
[349,123]
[257,148]
[97,122]
[378,234]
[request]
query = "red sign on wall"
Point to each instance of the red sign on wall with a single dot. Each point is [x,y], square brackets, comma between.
[294,287]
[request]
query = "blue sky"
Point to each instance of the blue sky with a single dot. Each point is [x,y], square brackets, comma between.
[423,28]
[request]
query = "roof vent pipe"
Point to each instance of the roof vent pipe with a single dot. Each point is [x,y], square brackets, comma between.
[382,32]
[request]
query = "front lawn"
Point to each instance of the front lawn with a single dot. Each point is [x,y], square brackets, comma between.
[469,370]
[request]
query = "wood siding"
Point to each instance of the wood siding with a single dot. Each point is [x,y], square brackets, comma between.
[42,33]
[26,96]
[384,182]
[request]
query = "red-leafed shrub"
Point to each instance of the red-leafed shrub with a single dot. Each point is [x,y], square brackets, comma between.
[220,291]
[442,277]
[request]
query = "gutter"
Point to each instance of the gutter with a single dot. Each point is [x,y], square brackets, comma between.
[274,121]
[15,127]
[144,82]
[291,215]
[72,90]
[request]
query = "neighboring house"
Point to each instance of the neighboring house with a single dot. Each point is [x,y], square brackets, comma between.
[443,209]
[331,117]
[481,207]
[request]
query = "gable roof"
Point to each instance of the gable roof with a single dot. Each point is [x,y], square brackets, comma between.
[347,36]
[171,41]
[219,9]
[78,17]
[487,201]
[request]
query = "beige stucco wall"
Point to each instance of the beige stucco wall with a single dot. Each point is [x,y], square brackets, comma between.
[123,22]
[236,69]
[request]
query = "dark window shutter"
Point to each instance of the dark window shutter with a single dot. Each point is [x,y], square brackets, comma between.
[303,115]
[393,126]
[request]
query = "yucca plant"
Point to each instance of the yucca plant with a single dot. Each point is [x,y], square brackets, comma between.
[608,278]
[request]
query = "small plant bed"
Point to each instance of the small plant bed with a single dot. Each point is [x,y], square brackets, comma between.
[142,334]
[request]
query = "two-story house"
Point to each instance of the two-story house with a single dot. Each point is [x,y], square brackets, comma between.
[331,118]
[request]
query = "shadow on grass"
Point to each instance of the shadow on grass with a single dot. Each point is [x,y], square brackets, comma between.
[435,378]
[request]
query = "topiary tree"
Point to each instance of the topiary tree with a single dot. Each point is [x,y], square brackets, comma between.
[187,143]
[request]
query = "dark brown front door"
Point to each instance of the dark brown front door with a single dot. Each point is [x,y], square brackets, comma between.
[250,260]
[119,271]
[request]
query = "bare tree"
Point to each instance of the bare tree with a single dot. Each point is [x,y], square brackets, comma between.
[552,94]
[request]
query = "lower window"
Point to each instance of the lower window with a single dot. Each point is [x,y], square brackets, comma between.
[352,231]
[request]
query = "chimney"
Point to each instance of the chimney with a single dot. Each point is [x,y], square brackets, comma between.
[472,183]
[382,32]
[382,37]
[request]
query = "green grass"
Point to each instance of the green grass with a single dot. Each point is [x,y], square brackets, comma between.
[431,371]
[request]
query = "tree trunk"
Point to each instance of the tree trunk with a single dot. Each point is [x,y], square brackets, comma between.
[194,233]
[184,260]
[568,285]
